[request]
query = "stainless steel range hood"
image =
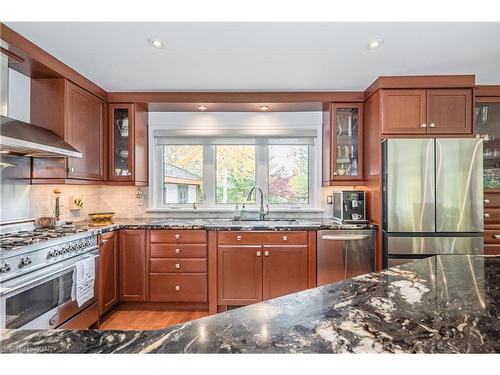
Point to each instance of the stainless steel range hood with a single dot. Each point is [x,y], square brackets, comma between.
[21,138]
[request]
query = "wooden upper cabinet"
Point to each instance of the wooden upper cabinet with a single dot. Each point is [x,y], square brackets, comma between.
[426,111]
[78,117]
[239,272]
[285,270]
[343,143]
[128,136]
[449,111]
[108,271]
[403,111]
[85,132]
[132,265]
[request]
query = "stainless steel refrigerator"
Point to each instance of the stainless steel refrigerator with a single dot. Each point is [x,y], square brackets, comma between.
[432,198]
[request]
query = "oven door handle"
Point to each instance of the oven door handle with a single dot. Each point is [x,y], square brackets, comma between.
[44,276]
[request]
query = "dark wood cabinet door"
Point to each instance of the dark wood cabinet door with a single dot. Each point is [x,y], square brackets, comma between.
[85,132]
[285,270]
[449,111]
[403,111]
[239,274]
[132,265]
[108,271]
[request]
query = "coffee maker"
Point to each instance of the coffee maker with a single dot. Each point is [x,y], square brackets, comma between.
[349,206]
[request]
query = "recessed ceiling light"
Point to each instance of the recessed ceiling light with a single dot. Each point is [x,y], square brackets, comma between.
[156,43]
[374,44]
[264,108]
[202,107]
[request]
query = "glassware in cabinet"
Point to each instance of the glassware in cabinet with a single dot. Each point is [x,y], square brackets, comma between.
[488,128]
[121,136]
[347,133]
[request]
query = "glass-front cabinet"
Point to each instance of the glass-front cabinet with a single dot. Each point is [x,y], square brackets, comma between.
[128,144]
[488,127]
[342,144]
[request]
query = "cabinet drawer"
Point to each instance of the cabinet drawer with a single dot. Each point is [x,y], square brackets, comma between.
[236,238]
[491,200]
[492,249]
[177,288]
[177,265]
[490,236]
[491,215]
[178,251]
[178,236]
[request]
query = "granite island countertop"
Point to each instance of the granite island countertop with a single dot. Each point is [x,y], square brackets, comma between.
[442,304]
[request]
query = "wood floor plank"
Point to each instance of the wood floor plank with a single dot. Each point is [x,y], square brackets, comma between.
[148,319]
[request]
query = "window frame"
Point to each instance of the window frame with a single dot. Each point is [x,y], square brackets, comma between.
[210,178]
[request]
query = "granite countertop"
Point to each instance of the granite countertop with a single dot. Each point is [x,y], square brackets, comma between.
[220,224]
[443,304]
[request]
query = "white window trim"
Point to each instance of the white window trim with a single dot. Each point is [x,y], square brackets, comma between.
[209,177]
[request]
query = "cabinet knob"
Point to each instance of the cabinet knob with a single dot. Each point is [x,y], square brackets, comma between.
[432,125]
[258,253]
[177,251]
[177,265]
[177,236]
[496,236]
[285,238]
[266,253]
[335,173]
[486,201]
[486,215]
[103,242]
[238,238]
[177,288]
[424,125]
[71,170]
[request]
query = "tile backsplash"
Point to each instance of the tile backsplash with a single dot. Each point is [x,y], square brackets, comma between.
[124,201]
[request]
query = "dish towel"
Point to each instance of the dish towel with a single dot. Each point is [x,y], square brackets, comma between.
[83,281]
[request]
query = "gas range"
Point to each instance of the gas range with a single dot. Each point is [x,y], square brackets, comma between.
[24,251]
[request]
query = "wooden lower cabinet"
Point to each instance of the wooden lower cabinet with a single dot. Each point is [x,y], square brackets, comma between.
[132,265]
[284,270]
[108,271]
[165,287]
[239,273]
[252,273]
[491,249]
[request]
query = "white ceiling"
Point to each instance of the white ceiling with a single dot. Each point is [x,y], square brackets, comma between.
[266,56]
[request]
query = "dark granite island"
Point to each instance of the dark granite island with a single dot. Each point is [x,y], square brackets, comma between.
[445,304]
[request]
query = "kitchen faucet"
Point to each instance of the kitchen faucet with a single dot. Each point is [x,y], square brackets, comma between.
[262,213]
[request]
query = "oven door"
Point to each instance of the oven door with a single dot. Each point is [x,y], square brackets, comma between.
[43,299]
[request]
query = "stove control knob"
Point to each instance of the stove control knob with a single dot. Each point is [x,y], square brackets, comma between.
[25,261]
[53,253]
[4,267]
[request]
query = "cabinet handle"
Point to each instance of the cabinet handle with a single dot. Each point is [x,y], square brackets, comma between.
[285,238]
[177,288]
[177,265]
[266,253]
[238,238]
[486,215]
[71,170]
[432,125]
[496,236]
[424,125]
[103,242]
[177,236]
[258,253]
[177,251]
[486,201]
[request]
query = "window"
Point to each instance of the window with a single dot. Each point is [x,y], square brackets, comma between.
[289,174]
[235,167]
[219,172]
[182,174]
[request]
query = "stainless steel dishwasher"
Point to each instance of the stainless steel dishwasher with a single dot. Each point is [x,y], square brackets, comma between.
[343,254]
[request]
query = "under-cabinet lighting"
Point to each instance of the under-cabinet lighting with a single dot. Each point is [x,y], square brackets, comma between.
[202,107]
[264,108]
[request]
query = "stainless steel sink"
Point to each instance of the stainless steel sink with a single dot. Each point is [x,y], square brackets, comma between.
[262,223]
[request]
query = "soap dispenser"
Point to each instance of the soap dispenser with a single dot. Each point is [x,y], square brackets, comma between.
[236,215]
[243,212]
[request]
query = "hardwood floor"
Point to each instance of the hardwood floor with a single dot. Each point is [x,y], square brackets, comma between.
[147,319]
